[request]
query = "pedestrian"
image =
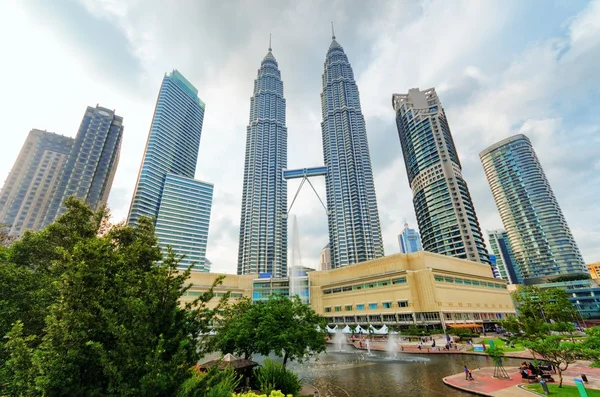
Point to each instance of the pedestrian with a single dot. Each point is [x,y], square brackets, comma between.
[468,374]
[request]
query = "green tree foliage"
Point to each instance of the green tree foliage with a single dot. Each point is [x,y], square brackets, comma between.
[237,331]
[592,345]
[109,322]
[545,304]
[285,327]
[545,319]
[556,351]
[220,383]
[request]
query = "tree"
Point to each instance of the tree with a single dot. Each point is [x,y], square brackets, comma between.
[550,305]
[114,325]
[283,326]
[556,352]
[592,345]
[290,329]
[496,353]
[237,329]
[540,313]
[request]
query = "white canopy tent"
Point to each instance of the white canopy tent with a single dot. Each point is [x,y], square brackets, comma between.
[347,330]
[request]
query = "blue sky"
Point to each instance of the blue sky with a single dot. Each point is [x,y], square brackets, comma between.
[500,68]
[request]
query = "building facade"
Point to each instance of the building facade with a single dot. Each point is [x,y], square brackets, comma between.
[325,258]
[400,290]
[541,240]
[421,288]
[26,194]
[172,145]
[505,260]
[409,240]
[594,270]
[183,219]
[90,168]
[353,216]
[165,188]
[445,213]
[263,224]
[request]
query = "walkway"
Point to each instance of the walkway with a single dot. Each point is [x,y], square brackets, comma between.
[426,349]
[486,385]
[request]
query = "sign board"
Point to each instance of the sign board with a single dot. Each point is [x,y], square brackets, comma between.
[580,387]
[478,349]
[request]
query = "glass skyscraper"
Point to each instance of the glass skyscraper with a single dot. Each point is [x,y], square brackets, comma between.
[183,219]
[353,217]
[26,194]
[443,205]
[409,240]
[541,240]
[263,223]
[92,163]
[165,189]
[505,260]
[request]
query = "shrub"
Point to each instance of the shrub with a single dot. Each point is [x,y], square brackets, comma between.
[213,383]
[273,376]
[274,393]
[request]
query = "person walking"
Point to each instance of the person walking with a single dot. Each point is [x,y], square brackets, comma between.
[468,374]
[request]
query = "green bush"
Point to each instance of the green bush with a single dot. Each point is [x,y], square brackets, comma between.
[218,391]
[213,383]
[273,376]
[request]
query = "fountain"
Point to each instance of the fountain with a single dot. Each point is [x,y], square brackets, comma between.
[392,345]
[339,339]
[368,344]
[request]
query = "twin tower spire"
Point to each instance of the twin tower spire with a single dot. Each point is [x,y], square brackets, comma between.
[352,214]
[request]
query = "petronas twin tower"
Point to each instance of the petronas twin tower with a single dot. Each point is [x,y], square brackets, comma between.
[354,229]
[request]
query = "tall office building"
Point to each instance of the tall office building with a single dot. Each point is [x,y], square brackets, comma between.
[92,163]
[263,223]
[494,266]
[505,260]
[26,194]
[409,240]
[353,217]
[443,205]
[165,189]
[542,243]
[325,258]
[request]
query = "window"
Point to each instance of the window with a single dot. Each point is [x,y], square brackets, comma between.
[327,310]
[360,307]
[402,303]
[372,306]
[399,280]
[348,308]
[439,278]
[338,308]
[387,305]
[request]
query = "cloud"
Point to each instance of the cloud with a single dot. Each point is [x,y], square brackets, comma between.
[497,73]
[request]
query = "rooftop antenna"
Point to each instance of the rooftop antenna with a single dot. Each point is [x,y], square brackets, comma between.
[332,32]
[269,41]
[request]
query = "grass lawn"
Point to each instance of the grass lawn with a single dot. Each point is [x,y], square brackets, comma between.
[500,343]
[565,391]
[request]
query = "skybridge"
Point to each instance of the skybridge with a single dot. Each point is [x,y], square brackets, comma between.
[305,174]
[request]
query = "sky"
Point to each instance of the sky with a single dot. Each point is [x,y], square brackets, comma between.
[499,67]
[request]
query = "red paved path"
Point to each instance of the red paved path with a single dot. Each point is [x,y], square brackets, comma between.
[486,385]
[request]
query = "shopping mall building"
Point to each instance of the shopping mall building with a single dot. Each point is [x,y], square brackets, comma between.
[420,288]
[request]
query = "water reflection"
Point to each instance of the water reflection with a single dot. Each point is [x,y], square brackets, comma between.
[354,373]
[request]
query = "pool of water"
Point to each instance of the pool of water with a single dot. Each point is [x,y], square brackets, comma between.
[355,373]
